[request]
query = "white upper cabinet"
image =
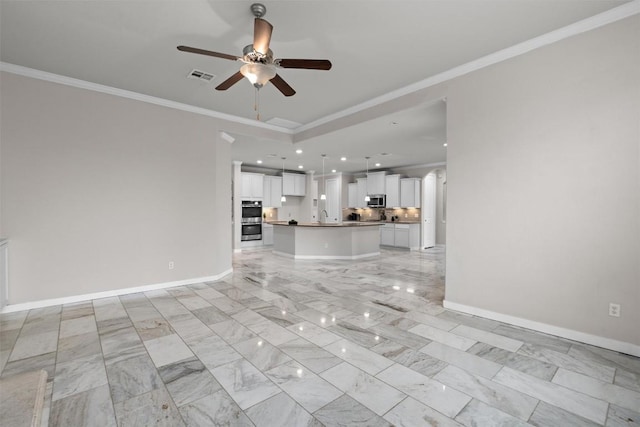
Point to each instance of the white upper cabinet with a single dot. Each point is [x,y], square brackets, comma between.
[272,192]
[362,193]
[392,187]
[353,195]
[252,185]
[294,184]
[376,183]
[410,192]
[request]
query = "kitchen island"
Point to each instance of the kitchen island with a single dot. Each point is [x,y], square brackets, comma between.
[347,240]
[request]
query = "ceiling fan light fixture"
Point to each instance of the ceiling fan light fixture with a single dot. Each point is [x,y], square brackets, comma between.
[258,74]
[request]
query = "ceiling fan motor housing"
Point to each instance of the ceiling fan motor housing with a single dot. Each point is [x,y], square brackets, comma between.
[258,10]
[249,54]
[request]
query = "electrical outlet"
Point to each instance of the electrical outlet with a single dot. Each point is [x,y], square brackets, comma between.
[416,215]
[405,215]
[171,265]
[614,309]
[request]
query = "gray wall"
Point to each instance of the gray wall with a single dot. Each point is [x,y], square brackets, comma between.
[544,186]
[101,193]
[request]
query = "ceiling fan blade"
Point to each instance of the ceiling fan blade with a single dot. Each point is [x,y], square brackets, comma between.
[207,52]
[282,86]
[230,81]
[309,64]
[261,35]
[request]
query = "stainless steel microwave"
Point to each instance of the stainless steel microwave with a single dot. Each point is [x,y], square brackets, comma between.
[377,201]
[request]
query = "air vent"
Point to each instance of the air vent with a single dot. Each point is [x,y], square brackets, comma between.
[201,75]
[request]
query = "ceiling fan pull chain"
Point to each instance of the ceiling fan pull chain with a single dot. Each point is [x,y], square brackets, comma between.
[256,105]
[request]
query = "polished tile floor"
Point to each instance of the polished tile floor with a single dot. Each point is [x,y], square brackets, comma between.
[311,343]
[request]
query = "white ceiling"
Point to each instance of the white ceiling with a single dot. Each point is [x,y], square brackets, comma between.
[376,47]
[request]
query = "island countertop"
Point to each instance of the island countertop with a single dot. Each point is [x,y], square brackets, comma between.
[330,224]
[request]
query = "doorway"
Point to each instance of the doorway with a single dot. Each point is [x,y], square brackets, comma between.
[433,206]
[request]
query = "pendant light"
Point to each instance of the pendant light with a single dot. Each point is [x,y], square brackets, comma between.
[283,198]
[323,196]
[367,198]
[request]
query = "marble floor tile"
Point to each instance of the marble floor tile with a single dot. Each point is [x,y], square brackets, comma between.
[232,331]
[144,312]
[310,355]
[346,412]
[315,334]
[519,362]
[261,354]
[281,410]
[208,293]
[562,360]
[536,338]
[469,320]
[400,336]
[210,315]
[8,338]
[167,349]
[34,344]
[213,351]
[153,328]
[356,334]
[78,375]
[76,310]
[308,389]
[227,305]
[628,380]
[477,413]
[494,340]
[78,326]
[190,329]
[188,380]
[279,316]
[108,308]
[412,359]
[493,394]
[358,356]
[547,415]
[621,417]
[572,401]
[599,389]
[606,357]
[78,346]
[469,362]
[132,377]
[443,337]
[432,393]
[366,389]
[121,344]
[429,320]
[217,409]
[244,383]
[266,329]
[152,408]
[411,413]
[42,361]
[4,357]
[90,407]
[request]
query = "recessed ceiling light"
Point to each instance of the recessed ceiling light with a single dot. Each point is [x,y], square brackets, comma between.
[300,167]
[343,158]
[377,165]
[259,162]
[333,171]
[298,151]
[444,145]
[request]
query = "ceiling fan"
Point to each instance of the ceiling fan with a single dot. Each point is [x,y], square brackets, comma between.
[259,64]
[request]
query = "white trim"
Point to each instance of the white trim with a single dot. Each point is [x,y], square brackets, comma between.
[608,343]
[426,165]
[591,23]
[69,81]
[347,257]
[114,293]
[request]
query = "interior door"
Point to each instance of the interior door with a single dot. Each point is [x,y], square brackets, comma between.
[429,211]
[333,200]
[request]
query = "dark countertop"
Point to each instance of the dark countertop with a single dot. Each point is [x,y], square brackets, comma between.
[340,224]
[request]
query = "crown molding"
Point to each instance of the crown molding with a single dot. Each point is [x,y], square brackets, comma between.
[82,84]
[618,13]
[591,23]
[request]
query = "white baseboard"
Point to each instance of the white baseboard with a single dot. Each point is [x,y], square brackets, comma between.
[598,341]
[105,294]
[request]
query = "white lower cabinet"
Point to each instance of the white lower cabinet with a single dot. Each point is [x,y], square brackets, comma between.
[267,234]
[387,234]
[400,235]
